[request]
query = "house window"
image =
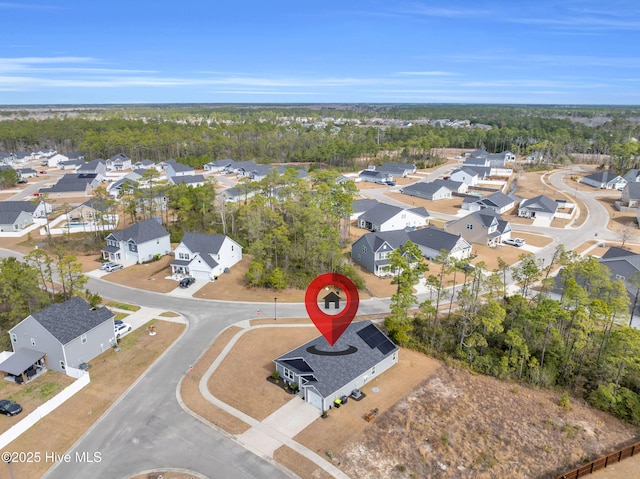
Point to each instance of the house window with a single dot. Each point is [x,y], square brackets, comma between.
[62,365]
[364,249]
[619,276]
[83,338]
[288,374]
[469,226]
[33,341]
[393,358]
[133,247]
[183,255]
[14,337]
[231,247]
[373,370]
[359,256]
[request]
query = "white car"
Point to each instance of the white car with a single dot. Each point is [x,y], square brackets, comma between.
[517,242]
[106,265]
[113,267]
[122,329]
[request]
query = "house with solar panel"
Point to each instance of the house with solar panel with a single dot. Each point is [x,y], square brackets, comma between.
[324,373]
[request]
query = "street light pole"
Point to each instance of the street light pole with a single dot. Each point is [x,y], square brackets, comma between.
[275,308]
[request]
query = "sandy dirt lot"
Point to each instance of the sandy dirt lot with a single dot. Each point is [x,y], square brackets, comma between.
[619,221]
[460,425]
[111,374]
[449,207]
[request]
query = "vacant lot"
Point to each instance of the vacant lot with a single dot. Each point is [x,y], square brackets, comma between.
[111,374]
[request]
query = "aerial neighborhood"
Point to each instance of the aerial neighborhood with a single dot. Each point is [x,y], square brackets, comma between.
[518,268]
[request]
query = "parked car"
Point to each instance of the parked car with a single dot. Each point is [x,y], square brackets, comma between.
[122,329]
[9,408]
[517,242]
[186,282]
[22,182]
[106,265]
[113,267]
[391,183]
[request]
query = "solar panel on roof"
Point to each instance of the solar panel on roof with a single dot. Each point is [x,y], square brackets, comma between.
[367,332]
[386,347]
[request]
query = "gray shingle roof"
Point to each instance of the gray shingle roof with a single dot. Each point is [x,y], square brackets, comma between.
[9,217]
[141,232]
[434,238]
[540,203]
[497,199]
[66,321]
[363,204]
[203,243]
[633,190]
[422,189]
[18,206]
[178,167]
[380,213]
[120,157]
[452,185]
[333,372]
[602,177]
[71,182]
[187,179]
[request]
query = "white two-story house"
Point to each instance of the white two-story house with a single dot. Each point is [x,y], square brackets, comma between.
[205,256]
[138,243]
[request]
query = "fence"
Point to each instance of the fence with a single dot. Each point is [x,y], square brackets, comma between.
[602,462]
[41,411]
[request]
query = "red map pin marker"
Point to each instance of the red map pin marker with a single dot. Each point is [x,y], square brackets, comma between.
[331,326]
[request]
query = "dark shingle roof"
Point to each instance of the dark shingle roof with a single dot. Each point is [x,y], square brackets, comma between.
[497,199]
[203,243]
[434,238]
[141,232]
[71,182]
[602,177]
[540,203]
[422,189]
[9,217]
[18,206]
[363,204]
[633,190]
[178,167]
[333,372]
[66,321]
[187,179]
[120,157]
[380,213]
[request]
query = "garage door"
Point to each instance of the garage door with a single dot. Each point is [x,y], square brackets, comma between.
[313,398]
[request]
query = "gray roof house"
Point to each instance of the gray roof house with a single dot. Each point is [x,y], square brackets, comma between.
[373,176]
[481,227]
[119,162]
[240,168]
[325,373]
[27,173]
[143,165]
[372,250]
[361,205]
[605,180]
[630,196]
[428,191]
[189,180]
[173,168]
[73,184]
[205,256]
[71,164]
[14,220]
[538,207]
[469,176]
[139,243]
[632,176]
[497,201]
[94,167]
[384,217]
[68,334]
[401,170]
[454,186]
[218,165]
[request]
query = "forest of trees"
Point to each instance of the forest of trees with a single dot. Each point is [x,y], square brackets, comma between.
[580,342]
[197,134]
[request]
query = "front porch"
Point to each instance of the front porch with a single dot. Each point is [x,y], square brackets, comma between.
[24,365]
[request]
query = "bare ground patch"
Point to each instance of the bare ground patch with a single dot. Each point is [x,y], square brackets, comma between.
[450,207]
[302,466]
[461,425]
[148,276]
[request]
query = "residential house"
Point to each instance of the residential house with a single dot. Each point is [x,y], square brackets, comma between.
[605,180]
[373,176]
[240,168]
[538,207]
[71,164]
[497,201]
[138,243]
[126,183]
[118,162]
[455,186]
[481,227]
[96,167]
[26,173]
[73,184]
[218,165]
[12,220]
[372,250]
[5,157]
[631,195]
[53,161]
[76,155]
[44,153]
[632,176]
[397,170]
[428,191]
[69,334]
[236,193]
[22,156]
[384,217]
[495,160]
[361,205]
[178,169]
[94,209]
[467,175]
[39,209]
[324,373]
[205,256]
[143,165]
[189,180]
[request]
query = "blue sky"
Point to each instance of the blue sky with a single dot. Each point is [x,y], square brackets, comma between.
[560,52]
